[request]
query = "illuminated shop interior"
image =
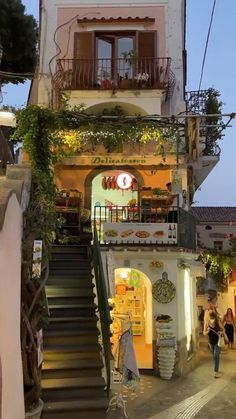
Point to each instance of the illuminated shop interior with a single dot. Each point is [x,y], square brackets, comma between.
[132,307]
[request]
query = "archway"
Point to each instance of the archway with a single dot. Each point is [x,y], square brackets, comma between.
[91,190]
[133,308]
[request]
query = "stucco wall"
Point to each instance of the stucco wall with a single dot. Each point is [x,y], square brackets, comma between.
[10,292]
[218,233]
[59,19]
[140,260]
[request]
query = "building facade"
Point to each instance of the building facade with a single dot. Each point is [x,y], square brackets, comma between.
[216,227]
[127,62]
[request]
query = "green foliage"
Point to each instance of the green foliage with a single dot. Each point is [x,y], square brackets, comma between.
[18,36]
[213,106]
[66,131]
[219,266]
[34,128]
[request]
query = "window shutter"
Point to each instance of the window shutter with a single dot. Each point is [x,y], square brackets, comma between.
[147,44]
[84,64]
[84,45]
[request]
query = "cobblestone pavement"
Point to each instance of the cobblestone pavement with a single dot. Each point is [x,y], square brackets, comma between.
[198,395]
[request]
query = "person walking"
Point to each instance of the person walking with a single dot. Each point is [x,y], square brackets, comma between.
[213,328]
[229,325]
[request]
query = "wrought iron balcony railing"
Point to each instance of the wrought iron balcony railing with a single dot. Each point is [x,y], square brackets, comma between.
[114,74]
[164,226]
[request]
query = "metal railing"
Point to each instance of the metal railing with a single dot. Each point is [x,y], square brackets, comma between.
[103,307]
[147,73]
[185,222]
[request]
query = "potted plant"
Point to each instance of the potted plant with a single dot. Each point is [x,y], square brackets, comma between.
[130,57]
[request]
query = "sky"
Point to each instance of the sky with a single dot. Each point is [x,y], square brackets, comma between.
[219,189]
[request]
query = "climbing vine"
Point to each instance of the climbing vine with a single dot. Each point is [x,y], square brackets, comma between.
[34,130]
[65,132]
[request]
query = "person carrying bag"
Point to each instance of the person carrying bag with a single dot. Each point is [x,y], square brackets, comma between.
[215,331]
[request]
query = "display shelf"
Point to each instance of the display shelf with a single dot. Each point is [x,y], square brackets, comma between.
[132,302]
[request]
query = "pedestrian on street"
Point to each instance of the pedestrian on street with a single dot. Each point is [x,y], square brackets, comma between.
[213,328]
[229,325]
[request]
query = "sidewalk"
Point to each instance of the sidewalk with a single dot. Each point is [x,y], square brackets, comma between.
[197,395]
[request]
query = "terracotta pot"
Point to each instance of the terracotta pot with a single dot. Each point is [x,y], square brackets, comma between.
[36,412]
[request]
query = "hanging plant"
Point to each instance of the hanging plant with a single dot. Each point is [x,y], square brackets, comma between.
[219,266]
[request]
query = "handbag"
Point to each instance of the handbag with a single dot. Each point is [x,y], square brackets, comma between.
[223,341]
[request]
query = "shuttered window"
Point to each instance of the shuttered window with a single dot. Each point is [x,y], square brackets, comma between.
[84,45]
[146,44]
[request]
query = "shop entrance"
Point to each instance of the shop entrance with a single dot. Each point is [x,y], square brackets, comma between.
[114,197]
[133,308]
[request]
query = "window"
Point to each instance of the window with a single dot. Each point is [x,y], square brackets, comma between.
[218,245]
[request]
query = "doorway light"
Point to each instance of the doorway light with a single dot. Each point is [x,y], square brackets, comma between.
[125,273]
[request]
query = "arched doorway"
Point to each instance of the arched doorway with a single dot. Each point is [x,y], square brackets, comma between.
[114,196]
[132,304]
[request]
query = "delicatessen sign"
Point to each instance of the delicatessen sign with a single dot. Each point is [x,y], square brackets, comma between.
[163,233]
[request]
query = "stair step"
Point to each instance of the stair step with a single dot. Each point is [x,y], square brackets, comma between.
[78,249]
[53,291]
[66,333]
[72,388]
[68,256]
[72,273]
[60,310]
[70,337]
[69,300]
[70,263]
[72,363]
[72,368]
[62,352]
[73,323]
[85,409]
[71,281]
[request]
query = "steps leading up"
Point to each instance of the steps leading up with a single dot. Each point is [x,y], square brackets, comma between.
[72,382]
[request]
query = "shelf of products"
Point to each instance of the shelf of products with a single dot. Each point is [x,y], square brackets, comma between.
[131,301]
[153,203]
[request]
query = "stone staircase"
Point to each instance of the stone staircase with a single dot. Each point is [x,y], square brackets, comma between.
[72,383]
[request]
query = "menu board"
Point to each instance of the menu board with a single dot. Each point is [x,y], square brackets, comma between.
[162,233]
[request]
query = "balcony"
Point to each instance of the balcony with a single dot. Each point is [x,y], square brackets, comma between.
[114,74]
[205,102]
[163,227]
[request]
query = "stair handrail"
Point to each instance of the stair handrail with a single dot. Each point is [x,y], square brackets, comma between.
[103,306]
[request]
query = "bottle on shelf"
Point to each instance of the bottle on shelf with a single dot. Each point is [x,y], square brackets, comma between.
[169,232]
[174,232]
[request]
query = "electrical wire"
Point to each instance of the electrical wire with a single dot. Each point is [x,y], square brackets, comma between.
[206,45]
[70,21]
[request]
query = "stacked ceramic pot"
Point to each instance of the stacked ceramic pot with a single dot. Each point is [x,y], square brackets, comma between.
[166,348]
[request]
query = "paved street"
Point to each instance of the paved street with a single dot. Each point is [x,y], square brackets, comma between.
[198,395]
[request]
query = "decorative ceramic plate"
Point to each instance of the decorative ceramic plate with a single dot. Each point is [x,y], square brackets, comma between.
[163,290]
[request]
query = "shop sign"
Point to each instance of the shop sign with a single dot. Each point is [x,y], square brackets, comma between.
[159,233]
[116,159]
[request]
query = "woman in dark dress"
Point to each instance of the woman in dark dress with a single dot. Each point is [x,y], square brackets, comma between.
[229,325]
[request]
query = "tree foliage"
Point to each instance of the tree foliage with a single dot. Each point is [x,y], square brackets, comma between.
[18,36]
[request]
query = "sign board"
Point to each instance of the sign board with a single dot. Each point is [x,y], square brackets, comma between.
[119,160]
[37,258]
[159,233]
